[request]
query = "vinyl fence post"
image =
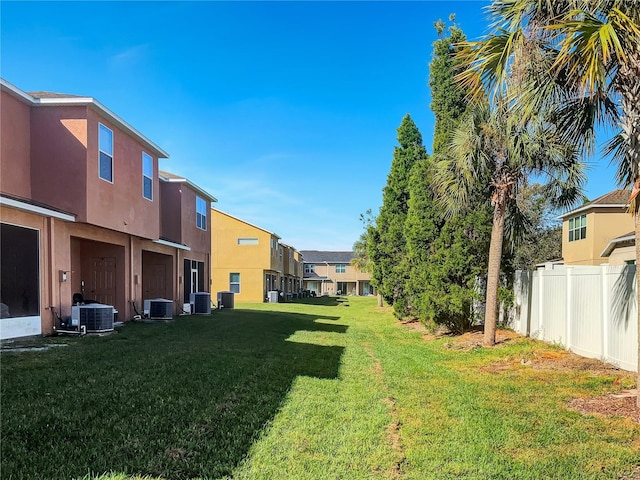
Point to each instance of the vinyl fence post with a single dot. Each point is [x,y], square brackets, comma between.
[568,313]
[541,304]
[604,312]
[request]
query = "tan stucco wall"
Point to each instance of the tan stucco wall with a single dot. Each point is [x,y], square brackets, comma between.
[15,147]
[620,256]
[251,261]
[603,224]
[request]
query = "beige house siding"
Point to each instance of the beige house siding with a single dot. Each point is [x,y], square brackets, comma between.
[328,279]
[603,224]
[622,255]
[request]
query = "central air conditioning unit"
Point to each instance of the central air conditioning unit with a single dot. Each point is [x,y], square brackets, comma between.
[158,308]
[94,317]
[200,303]
[272,296]
[225,299]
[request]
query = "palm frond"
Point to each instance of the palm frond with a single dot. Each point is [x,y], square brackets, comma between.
[626,170]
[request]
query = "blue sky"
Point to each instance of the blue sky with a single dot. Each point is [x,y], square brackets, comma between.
[285,111]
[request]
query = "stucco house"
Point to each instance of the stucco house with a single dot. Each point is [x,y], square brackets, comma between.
[82,212]
[587,231]
[621,250]
[332,273]
[250,261]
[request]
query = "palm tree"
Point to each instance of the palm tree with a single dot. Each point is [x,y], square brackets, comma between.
[494,152]
[587,59]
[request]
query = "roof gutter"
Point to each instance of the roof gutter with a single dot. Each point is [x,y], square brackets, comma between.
[589,207]
[614,243]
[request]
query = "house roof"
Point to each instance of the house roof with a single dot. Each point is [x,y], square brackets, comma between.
[313,276]
[53,95]
[626,240]
[172,178]
[320,256]
[615,199]
[245,222]
[40,99]
[30,205]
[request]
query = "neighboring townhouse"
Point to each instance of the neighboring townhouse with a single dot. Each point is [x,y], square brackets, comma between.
[249,260]
[291,280]
[80,213]
[621,250]
[588,230]
[332,273]
[185,221]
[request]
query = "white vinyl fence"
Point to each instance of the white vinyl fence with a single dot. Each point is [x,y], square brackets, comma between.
[591,311]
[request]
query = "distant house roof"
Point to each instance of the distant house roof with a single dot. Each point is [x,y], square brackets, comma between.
[53,95]
[172,178]
[38,99]
[320,256]
[615,199]
[626,240]
[314,276]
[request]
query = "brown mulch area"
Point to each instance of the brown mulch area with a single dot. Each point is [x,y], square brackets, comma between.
[622,404]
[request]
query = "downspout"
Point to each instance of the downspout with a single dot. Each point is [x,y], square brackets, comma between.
[50,270]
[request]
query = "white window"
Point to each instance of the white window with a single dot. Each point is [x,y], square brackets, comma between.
[105,155]
[578,228]
[341,268]
[201,213]
[309,268]
[234,282]
[147,176]
[247,241]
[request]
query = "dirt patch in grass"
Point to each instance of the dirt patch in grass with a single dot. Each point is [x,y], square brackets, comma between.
[413,324]
[473,339]
[622,404]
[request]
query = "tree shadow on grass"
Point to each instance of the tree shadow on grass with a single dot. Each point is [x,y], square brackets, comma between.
[184,399]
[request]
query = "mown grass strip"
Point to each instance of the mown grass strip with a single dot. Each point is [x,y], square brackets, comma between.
[321,390]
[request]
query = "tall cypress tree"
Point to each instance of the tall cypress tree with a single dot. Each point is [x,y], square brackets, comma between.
[444,257]
[387,245]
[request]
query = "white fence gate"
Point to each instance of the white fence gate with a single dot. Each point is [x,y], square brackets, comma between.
[591,311]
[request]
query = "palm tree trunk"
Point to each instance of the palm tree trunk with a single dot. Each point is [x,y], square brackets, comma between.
[637,241]
[630,98]
[493,274]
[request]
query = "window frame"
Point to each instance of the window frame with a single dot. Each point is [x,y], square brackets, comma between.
[245,241]
[234,283]
[309,268]
[201,216]
[103,128]
[577,232]
[341,268]
[147,158]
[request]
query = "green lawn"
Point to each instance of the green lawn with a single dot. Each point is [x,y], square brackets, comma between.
[321,390]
